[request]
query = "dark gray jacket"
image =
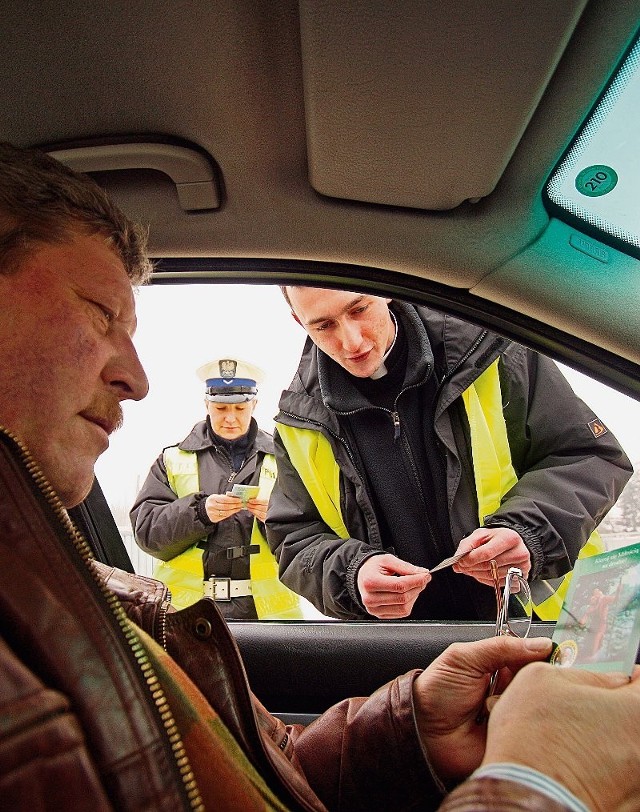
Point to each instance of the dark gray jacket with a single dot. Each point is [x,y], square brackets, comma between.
[165,525]
[568,478]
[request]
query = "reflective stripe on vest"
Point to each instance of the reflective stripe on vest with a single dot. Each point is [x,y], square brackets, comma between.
[184,574]
[312,456]
[273,600]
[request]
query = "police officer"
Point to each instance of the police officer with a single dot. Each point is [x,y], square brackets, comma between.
[202,507]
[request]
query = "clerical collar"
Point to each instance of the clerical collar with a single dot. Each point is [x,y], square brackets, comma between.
[382,369]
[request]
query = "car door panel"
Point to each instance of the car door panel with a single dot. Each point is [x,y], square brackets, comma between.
[299,669]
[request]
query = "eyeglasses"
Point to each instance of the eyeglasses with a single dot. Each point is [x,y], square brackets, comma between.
[515,612]
[515,609]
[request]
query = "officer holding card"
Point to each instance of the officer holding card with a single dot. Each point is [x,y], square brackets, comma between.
[202,508]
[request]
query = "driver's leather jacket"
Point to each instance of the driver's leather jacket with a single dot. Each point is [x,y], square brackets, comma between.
[108,700]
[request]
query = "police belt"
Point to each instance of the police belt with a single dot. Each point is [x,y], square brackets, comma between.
[224,589]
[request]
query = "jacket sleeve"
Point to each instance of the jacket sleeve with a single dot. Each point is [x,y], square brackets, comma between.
[570,472]
[499,795]
[365,754]
[313,560]
[165,525]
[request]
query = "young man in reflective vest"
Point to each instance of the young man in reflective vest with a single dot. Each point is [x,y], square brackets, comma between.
[406,436]
[202,507]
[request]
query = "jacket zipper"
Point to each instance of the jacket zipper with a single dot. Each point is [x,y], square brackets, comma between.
[155,689]
[393,414]
[451,372]
[395,418]
[367,511]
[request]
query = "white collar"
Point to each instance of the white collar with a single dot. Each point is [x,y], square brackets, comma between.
[382,369]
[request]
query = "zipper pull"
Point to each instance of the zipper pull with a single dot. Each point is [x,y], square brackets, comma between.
[396,425]
[232,476]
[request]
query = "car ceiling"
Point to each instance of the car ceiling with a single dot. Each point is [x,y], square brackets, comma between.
[410,138]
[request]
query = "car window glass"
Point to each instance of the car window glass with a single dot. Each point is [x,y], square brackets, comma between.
[620,414]
[180,327]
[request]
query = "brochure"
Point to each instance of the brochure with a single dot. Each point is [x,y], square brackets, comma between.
[599,624]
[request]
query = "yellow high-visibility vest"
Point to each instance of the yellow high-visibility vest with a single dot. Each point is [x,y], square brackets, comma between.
[312,456]
[184,574]
[494,476]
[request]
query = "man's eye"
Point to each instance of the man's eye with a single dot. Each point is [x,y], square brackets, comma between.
[359,310]
[322,327]
[108,315]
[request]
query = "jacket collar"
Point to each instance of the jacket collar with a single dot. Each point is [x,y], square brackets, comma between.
[336,384]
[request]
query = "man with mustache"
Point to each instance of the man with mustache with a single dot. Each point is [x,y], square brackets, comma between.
[98,715]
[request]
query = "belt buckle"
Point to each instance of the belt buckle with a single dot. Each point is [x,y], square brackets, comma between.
[218,588]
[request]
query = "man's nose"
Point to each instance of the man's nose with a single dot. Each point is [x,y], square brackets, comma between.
[351,336]
[125,373]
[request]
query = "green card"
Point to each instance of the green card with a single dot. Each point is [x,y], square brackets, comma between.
[245,492]
[599,625]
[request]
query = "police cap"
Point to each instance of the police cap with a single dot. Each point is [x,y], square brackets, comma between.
[230,380]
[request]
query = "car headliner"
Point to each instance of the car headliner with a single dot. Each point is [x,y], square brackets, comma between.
[403,143]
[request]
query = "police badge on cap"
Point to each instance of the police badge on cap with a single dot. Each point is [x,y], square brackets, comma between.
[230,380]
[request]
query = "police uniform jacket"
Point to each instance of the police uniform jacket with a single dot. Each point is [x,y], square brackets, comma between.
[166,525]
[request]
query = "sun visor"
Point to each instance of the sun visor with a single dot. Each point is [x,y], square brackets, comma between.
[400,97]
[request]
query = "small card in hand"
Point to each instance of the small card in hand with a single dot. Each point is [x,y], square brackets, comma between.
[599,625]
[245,492]
[449,562]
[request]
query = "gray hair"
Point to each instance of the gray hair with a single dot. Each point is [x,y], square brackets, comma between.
[42,201]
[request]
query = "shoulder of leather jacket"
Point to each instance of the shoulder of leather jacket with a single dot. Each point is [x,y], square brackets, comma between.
[130,586]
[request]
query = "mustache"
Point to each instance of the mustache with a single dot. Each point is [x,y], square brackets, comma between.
[106,413]
[117,417]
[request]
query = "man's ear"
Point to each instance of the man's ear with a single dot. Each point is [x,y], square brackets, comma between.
[297,319]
